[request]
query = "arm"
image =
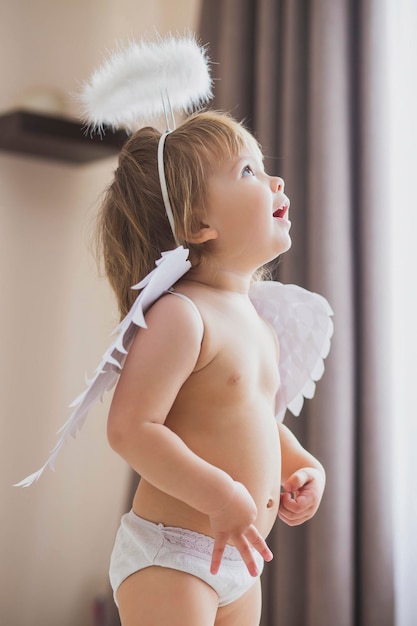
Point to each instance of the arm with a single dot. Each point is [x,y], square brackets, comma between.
[303,480]
[160,360]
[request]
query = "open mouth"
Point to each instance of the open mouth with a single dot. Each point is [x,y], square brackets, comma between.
[282,210]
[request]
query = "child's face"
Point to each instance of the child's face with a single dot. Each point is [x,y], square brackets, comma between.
[248,209]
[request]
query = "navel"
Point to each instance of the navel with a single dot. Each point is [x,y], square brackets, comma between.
[270,503]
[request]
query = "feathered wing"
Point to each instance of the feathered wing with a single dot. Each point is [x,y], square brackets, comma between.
[169,268]
[303,324]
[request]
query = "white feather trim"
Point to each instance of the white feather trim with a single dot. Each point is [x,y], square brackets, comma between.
[128,88]
[169,268]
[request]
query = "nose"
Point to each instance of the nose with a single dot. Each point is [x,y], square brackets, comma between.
[277,184]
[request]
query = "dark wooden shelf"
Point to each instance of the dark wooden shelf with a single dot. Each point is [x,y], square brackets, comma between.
[60,139]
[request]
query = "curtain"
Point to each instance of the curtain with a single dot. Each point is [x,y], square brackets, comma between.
[403,141]
[308,77]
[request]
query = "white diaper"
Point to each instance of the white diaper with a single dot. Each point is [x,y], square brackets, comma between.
[140,544]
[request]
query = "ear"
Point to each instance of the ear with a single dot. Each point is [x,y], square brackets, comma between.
[203,234]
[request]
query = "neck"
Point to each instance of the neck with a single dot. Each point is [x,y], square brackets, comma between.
[224,279]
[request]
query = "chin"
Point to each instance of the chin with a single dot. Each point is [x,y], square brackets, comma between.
[277,251]
[283,246]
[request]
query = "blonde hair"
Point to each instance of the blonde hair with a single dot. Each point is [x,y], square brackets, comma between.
[132,227]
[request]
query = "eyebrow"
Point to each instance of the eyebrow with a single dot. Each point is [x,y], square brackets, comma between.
[236,161]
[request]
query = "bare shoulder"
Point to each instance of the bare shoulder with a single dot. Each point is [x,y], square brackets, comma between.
[210,310]
[170,313]
[172,337]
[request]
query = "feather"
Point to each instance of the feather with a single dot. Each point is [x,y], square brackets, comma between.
[132,83]
[169,268]
[303,324]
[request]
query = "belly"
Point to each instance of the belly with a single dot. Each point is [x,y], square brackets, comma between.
[246,446]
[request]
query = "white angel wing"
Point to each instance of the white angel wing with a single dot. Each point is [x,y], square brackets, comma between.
[169,268]
[303,324]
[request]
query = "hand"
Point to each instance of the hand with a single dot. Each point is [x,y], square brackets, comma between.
[234,523]
[302,495]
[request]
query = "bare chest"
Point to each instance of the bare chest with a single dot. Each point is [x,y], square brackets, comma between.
[244,359]
[248,359]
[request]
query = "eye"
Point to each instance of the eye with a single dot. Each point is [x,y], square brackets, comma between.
[248,171]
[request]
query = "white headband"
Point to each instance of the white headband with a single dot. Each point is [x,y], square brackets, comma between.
[163,183]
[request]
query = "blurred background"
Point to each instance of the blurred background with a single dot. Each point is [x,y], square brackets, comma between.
[329,89]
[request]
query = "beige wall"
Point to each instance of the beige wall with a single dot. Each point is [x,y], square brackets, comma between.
[55,318]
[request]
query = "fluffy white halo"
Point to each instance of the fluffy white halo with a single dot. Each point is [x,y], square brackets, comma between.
[130,85]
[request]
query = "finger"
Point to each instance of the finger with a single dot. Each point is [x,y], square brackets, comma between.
[296,481]
[217,555]
[295,504]
[292,522]
[293,519]
[247,555]
[259,543]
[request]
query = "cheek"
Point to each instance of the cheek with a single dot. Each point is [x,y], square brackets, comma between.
[255,219]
